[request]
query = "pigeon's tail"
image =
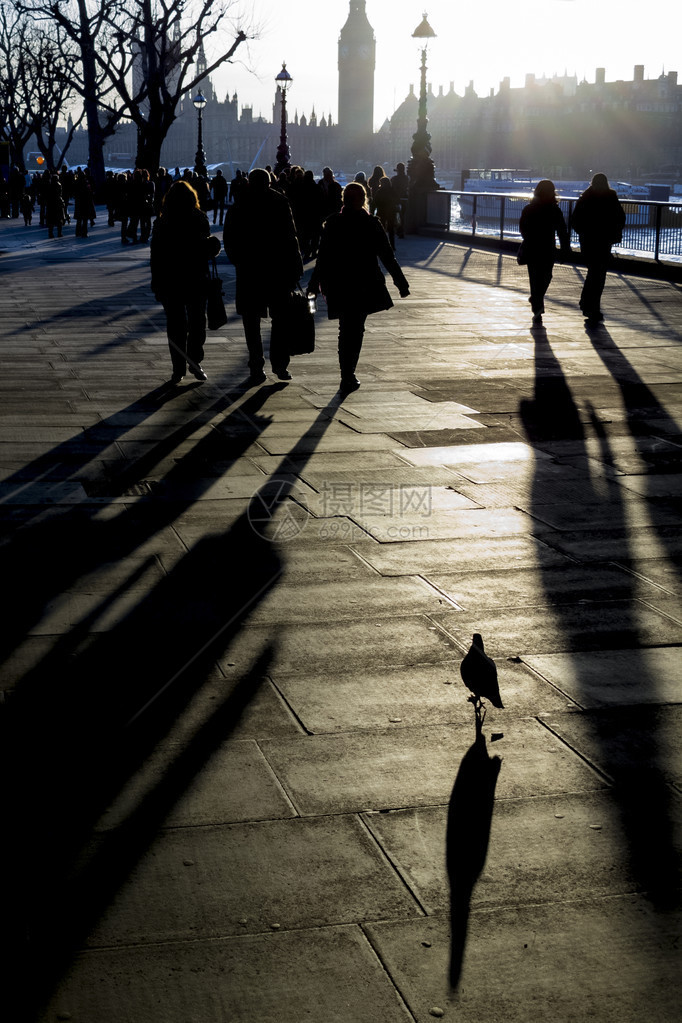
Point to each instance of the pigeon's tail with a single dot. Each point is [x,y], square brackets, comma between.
[497,702]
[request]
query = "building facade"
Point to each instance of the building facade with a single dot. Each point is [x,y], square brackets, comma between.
[558,127]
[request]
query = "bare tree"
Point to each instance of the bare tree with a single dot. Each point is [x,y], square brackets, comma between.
[137,60]
[17,112]
[52,67]
[165,37]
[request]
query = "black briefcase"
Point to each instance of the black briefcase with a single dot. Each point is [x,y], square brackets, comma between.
[294,329]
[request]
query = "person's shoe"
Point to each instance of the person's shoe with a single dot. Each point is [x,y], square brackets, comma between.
[257,377]
[282,374]
[199,373]
[177,377]
[537,320]
[349,384]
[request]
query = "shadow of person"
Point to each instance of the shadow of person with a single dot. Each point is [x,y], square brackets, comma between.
[468,834]
[627,743]
[86,716]
[648,422]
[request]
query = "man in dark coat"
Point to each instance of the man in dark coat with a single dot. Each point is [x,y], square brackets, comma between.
[260,239]
[598,220]
[219,192]
[348,274]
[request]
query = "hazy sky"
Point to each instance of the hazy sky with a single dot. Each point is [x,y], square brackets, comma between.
[483,42]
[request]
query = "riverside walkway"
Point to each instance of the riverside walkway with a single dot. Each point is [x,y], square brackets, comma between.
[241,775]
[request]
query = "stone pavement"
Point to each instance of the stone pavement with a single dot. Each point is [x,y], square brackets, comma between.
[241,781]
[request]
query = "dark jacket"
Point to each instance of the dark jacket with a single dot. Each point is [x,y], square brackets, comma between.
[179,255]
[598,218]
[540,222]
[347,272]
[260,239]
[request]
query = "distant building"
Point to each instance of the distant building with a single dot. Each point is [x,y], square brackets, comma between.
[557,126]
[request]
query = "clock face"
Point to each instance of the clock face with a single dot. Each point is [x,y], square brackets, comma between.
[343,52]
[364,52]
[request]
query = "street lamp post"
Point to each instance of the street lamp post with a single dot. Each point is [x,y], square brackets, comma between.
[420,168]
[200,102]
[283,160]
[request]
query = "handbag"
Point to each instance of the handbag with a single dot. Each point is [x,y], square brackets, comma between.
[294,327]
[521,257]
[215,307]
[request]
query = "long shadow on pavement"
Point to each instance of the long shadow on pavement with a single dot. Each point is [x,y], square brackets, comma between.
[629,746]
[470,815]
[81,721]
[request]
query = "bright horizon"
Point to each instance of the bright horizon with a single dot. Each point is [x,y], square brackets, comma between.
[480,44]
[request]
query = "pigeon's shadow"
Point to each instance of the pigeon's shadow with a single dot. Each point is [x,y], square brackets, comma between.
[468,833]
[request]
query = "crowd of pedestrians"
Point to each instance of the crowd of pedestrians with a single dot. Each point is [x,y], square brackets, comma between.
[273,225]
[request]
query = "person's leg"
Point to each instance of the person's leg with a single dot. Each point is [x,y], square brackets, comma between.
[539,277]
[176,329]
[196,335]
[279,348]
[351,333]
[595,279]
[254,344]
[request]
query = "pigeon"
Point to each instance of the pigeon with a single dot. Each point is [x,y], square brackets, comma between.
[479,674]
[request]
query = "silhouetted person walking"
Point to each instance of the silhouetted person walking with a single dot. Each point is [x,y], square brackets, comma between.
[541,220]
[260,239]
[598,220]
[219,189]
[349,276]
[181,247]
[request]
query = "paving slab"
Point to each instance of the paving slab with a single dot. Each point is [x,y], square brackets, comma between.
[609,959]
[420,694]
[540,630]
[324,647]
[564,584]
[544,849]
[234,785]
[384,769]
[623,742]
[463,554]
[617,544]
[200,882]
[614,678]
[330,973]
[345,600]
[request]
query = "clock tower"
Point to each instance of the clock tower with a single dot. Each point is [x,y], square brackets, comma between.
[357,51]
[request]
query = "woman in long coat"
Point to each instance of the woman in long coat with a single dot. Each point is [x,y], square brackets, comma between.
[260,239]
[541,220]
[181,247]
[348,274]
[598,219]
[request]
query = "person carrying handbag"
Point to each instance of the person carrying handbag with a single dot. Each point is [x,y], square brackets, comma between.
[348,274]
[260,240]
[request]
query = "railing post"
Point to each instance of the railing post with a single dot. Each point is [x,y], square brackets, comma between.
[473,218]
[502,206]
[657,241]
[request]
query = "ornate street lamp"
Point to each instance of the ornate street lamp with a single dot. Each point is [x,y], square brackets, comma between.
[200,102]
[420,168]
[283,160]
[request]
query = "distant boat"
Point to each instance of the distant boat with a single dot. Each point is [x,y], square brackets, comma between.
[515,182]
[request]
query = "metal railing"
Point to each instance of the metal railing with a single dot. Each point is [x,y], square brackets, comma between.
[652,229]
